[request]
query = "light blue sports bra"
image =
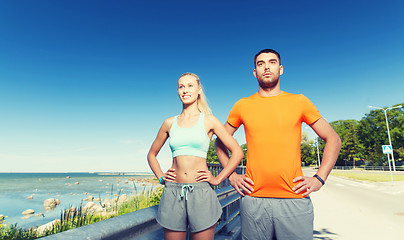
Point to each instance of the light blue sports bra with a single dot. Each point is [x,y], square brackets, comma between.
[193,141]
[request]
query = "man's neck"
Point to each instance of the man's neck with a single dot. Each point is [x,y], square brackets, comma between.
[269,92]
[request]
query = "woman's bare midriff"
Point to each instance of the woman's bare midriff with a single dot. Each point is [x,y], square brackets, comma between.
[186,168]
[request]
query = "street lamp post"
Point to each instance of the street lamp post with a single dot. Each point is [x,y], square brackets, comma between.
[388,131]
[318,154]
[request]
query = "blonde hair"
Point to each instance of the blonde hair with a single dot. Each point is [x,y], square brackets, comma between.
[202,101]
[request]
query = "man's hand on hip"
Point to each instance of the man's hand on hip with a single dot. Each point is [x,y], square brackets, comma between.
[308,184]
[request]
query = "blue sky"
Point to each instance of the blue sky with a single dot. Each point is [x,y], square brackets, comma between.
[85,85]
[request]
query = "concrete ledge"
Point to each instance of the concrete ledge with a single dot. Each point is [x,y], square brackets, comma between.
[142,225]
[128,226]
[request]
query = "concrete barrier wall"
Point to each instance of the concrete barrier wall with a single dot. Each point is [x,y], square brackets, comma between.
[142,224]
[128,226]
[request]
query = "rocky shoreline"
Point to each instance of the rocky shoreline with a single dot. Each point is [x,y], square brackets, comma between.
[95,206]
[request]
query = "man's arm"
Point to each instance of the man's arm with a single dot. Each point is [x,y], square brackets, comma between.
[240,182]
[330,154]
[331,149]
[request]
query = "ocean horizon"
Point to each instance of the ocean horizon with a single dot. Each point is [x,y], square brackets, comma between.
[20,191]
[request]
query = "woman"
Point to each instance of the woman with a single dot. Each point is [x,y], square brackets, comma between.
[188,200]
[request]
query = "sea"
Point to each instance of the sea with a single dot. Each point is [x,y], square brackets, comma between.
[22,191]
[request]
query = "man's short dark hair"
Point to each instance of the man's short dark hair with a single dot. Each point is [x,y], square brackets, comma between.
[267,51]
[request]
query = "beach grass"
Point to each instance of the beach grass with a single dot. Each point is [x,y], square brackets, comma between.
[370,177]
[70,219]
[77,217]
[14,232]
[144,200]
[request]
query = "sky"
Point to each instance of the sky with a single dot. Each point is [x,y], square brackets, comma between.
[86,85]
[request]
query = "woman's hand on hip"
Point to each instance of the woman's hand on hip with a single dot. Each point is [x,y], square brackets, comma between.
[169,175]
[206,176]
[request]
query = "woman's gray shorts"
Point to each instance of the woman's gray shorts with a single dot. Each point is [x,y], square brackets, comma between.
[188,204]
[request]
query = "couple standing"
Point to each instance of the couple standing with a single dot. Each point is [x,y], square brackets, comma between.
[275,202]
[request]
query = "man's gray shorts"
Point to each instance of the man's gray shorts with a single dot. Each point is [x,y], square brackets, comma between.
[276,218]
[188,204]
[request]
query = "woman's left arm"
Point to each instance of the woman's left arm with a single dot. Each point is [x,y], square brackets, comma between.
[236,153]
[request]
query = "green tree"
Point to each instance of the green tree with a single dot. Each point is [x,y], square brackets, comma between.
[244,148]
[372,136]
[307,150]
[211,157]
[396,124]
[372,131]
[352,149]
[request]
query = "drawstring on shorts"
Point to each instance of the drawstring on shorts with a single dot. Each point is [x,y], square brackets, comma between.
[185,188]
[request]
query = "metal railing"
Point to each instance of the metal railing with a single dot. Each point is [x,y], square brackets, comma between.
[368,168]
[229,224]
[142,224]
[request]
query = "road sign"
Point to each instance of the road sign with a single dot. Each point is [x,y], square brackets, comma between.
[387,149]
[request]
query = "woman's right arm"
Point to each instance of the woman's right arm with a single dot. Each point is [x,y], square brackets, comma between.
[158,143]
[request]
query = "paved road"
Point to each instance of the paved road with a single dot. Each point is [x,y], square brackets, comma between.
[349,210]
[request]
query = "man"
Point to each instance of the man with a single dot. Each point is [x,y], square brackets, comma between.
[277,203]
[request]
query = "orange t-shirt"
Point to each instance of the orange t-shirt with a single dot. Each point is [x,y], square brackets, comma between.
[273,132]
